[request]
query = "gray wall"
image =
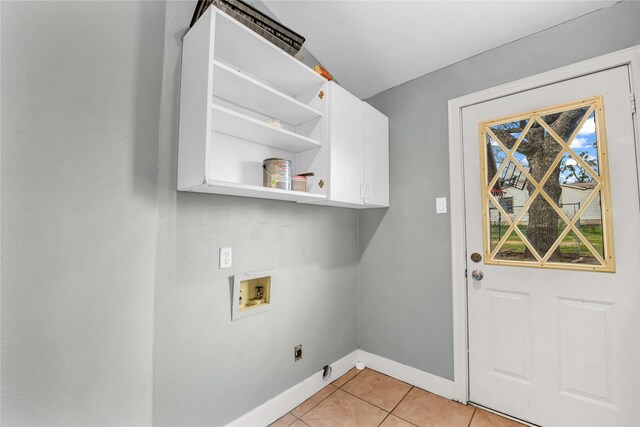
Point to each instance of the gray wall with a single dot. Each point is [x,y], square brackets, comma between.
[209,370]
[80,101]
[405,277]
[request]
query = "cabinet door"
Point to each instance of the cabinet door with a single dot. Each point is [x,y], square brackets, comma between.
[347,146]
[376,157]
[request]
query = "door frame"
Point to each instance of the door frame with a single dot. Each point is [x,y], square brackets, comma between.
[629,57]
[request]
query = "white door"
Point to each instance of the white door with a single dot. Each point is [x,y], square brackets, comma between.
[553,324]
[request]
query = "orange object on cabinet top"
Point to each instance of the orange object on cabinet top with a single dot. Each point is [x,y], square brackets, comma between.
[323,72]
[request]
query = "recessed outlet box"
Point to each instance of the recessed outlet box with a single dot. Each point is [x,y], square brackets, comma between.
[297,352]
[252,294]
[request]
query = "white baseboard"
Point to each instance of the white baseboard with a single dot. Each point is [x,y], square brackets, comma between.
[273,409]
[424,380]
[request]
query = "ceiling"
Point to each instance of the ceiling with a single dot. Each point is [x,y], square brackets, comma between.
[369,46]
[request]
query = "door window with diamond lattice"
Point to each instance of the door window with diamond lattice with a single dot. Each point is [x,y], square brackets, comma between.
[545,188]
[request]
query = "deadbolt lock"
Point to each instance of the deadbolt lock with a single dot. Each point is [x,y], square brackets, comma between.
[476,257]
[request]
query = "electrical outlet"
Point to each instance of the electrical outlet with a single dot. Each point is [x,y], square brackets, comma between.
[441,205]
[297,352]
[225,257]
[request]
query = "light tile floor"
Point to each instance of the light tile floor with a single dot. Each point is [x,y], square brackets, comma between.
[369,398]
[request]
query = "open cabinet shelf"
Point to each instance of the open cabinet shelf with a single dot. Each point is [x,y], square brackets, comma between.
[236,87]
[236,124]
[235,44]
[232,188]
[243,100]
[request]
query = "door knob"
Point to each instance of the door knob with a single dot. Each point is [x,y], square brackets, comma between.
[477,275]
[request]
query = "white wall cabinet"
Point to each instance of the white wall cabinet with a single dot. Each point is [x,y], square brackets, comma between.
[346,145]
[358,153]
[376,157]
[235,84]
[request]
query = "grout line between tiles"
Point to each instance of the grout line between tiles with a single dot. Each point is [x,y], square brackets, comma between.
[372,404]
[408,422]
[403,397]
[306,412]
[394,408]
[346,382]
[384,419]
[288,413]
[389,376]
[472,415]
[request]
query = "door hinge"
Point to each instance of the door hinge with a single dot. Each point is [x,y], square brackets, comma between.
[632,101]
